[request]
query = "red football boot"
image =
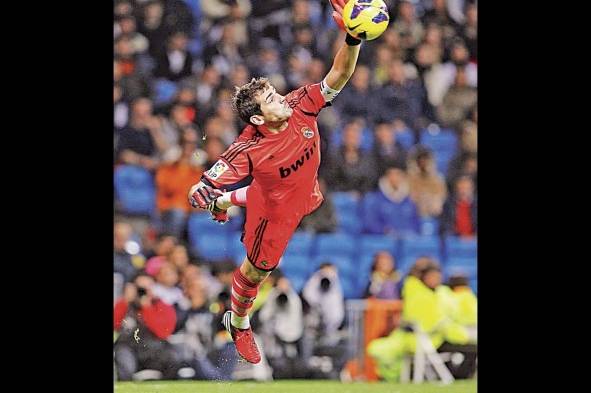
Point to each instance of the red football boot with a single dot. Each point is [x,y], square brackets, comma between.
[243,339]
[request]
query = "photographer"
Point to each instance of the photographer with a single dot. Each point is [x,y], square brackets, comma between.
[282,326]
[325,315]
[201,341]
[143,322]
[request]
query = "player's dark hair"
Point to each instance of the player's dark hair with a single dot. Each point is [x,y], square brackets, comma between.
[243,100]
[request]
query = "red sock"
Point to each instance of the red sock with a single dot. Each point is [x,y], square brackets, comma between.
[244,292]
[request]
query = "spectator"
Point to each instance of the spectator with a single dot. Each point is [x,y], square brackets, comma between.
[213,145]
[401,98]
[282,327]
[387,151]
[457,103]
[469,31]
[127,27]
[464,164]
[350,168]
[324,295]
[440,15]
[424,306]
[427,186]
[407,25]
[141,141]
[354,101]
[179,257]
[383,58]
[172,182]
[207,85]
[460,210]
[176,62]
[166,287]
[144,322]
[199,341]
[323,219]
[390,209]
[383,283]
[123,259]
[152,27]
[120,108]
[444,75]
[225,53]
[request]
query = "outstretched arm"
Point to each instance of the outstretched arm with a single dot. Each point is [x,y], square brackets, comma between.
[346,58]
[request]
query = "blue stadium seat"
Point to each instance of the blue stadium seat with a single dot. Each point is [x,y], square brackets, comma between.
[441,140]
[429,226]
[344,264]
[415,246]
[474,285]
[367,139]
[406,138]
[347,210]
[403,265]
[335,243]
[211,246]
[461,247]
[201,222]
[297,282]
[350,289]
[300,244]
[294,265]
[371,244]
[344,200]
[134,189]
[164,91]
[363,262]
[348,222]
[236,248]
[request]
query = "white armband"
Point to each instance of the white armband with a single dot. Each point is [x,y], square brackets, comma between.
[328,93]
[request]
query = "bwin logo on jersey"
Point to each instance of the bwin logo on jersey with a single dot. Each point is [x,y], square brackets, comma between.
[284,172]
[308,133]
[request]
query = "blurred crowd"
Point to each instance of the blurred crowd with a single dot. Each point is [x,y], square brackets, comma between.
[176,63]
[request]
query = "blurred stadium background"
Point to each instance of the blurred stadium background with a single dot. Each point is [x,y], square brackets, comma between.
[399,169]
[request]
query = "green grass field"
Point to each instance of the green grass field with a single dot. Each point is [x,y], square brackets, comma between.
[299,386]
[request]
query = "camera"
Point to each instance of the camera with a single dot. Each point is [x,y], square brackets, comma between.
[141,292]
[281,300]
[325,284]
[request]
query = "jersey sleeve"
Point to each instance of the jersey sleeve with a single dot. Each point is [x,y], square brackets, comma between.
[308,99]
[233,168]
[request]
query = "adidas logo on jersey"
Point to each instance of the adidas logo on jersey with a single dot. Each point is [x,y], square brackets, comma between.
[284,172]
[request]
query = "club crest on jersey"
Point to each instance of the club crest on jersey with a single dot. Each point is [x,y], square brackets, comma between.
[217,169]
[308,133]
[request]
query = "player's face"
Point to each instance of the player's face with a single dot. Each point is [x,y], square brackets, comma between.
[274,106]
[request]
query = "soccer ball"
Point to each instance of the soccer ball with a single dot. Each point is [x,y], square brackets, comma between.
[365,19]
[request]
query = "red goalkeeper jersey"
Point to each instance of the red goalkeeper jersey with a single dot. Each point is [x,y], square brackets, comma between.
[283,167]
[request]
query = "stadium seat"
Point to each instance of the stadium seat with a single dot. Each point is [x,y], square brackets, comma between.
[347,210]
[406,138]
[297,283]
[461,247]
[134,189]
[464,266]
[202,223]
[211,246]
[300,244]
[439,140]
[429,226]
[335,243]
[164,91]
[345,200]
[236,248]
[294,265]
[371,244]
[367,139]
[350,288]
[415,246]
[344,264]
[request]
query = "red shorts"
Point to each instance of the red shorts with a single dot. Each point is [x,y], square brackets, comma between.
[266,237]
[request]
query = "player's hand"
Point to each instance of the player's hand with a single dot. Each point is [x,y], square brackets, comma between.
[337,14]
[202,195]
